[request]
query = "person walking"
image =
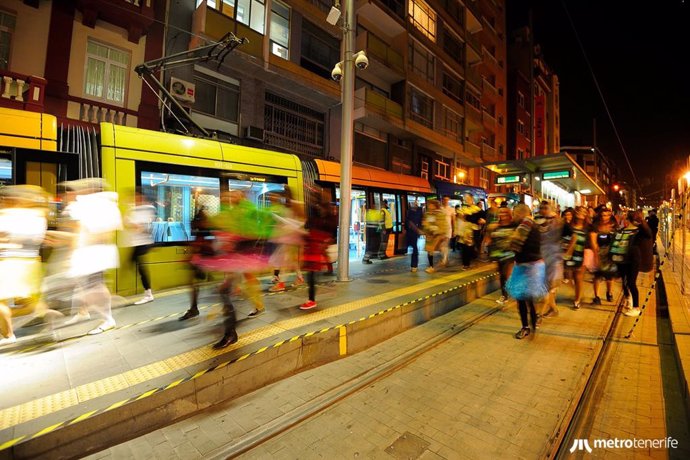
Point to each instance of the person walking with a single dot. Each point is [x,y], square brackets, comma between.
[465,232]
[632,255]
[600,239]
[551,229]
[386,231]
[653,222]
[322,225]
[449,212]
[573,258]
[527,282]
[288,237]
[138,236]
[435,228]
[413,227]
[498,237]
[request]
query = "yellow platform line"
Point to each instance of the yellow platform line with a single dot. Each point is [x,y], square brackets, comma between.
[40,407]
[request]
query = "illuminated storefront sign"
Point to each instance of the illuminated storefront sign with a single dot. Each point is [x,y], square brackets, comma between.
[514,179]
[550,175]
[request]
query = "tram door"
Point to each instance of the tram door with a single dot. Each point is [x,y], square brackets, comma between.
[395,207]
[358,202]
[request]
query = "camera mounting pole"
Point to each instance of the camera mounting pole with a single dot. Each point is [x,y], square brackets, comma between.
[217,51]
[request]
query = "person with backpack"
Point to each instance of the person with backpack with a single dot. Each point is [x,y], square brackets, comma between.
[632,255]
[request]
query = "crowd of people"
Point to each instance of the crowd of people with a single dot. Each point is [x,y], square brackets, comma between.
[42,269]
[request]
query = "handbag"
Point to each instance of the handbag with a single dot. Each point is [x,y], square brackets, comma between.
[528,281]
[588,261]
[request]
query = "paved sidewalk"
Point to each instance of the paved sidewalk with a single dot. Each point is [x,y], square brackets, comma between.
[481,394]
[640,396]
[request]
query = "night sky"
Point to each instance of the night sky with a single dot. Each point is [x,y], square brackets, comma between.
[640,54]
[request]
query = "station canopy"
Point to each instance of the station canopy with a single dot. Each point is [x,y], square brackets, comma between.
[559,168]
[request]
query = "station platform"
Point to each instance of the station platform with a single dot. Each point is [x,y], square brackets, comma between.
[68,393]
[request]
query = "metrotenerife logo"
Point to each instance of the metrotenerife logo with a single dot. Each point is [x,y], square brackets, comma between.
[581,444]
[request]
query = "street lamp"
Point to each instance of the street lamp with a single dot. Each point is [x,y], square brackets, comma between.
[344,72]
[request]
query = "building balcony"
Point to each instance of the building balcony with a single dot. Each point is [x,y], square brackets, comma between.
[488,120]
[384,62]
[474,78]
[21,92]
[376,110]
[87,112]
[389,15]
[473,149]
[135,16]
[488,57]
[213,25]
[489,153]
[488,88]
[473,49]
[473,16]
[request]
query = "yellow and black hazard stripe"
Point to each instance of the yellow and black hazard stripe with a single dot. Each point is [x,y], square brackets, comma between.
[340,327]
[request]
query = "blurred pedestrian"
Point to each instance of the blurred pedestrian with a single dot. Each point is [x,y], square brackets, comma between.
[322,225]
[653,222]
[413,229]
[498,238]
[288,236]
[465,232]
[138,236]
[600,238]
[527,282]
[574,253]
[551,229]
[201,245]
[435,228]
[374,226]
[449,212]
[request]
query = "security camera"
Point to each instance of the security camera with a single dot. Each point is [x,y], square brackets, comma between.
[337,72]
[361,60]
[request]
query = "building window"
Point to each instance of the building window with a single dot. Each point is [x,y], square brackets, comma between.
[320,50]
[423,18]
[521,127]
[292,126]
[421,108]
[455,10]
[422,62]
[520,154]
[441,169]
[484,178]
[473,101]
[452,124]
[452,87]
[280,29]
[7,25]
[106,73]
[251,13]
[521,99]
[217,98]
[453,46]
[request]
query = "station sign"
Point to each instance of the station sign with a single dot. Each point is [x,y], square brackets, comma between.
[514,179]
[564,174]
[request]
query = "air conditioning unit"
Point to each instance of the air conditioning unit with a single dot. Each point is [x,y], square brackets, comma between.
[254,133]
[182,90]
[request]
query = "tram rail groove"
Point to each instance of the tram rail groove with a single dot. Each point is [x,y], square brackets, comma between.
[581,404]
[328,399]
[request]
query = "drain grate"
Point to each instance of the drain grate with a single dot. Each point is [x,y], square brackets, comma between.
[407,447]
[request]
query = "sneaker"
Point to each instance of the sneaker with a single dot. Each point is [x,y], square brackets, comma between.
[278,287]
[8,340]
[430,270]
[78,318]
[522,333]
[609,297]
[226,341]
[254,313]
[501,300]
[105,326]
[367,261]
[189,314]
[631,312]
[576,305]
[308,305]
[145,299]
[413,269]
[596,301]
[298,282]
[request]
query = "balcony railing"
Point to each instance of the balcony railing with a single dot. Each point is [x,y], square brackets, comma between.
[378,103]
[473,77]
[489,57]
[488,152]
[488,119]
[488,87]
[95,112]
[379,49]
[473,149]
[22,92]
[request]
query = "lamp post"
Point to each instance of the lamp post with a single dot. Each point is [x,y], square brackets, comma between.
[346,140]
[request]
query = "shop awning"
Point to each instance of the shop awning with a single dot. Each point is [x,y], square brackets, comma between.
[329,171]
[559,168]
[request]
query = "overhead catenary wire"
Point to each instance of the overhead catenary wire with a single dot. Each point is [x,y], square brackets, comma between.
[601,93]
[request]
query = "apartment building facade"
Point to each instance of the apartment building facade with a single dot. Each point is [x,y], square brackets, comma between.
[431,103]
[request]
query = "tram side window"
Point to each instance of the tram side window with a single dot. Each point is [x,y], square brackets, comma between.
[255,191]
[5,171]
[177,198]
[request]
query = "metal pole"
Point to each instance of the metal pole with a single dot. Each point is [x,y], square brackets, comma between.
[684,203]
[346,141]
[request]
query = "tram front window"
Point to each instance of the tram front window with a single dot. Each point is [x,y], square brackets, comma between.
[177,198]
